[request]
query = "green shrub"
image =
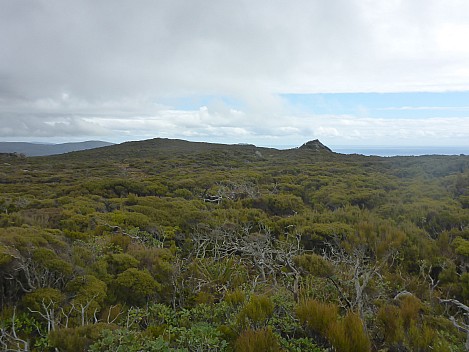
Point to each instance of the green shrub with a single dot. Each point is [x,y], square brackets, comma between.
[421,338]
[410,307]
[315,265]
[235,298]
[183,193]
[256,312]
[317,316]
[129,341]
[349,335]
[120,262]
[76,339]
[461,246]
[135,286]
[390,324]
[202,337]
[256,341]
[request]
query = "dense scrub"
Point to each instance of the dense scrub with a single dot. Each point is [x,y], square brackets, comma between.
[175,246]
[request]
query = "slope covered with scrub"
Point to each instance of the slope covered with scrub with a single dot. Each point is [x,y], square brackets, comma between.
[166,245]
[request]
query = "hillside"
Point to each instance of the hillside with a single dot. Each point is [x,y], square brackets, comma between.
[169,245]
[36,149]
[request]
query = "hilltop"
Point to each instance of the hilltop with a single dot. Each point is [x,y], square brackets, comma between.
[164,147]
[315,145]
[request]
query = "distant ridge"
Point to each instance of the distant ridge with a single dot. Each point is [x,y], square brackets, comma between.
[36,149]
[179,145]
[156,145]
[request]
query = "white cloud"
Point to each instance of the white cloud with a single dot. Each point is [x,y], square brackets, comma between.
[201,125]
[326,132]
[452,38]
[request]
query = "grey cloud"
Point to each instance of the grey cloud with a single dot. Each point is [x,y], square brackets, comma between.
[104,67]
[98,49]
[42,127]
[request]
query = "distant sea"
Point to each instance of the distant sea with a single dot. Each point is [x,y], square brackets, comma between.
[401,151]
[393,151]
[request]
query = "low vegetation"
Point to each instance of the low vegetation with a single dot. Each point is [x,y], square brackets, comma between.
[167,245]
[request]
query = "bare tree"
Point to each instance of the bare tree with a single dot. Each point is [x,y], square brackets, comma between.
[30,275]
[461,319]
[232,191]
[48,313]
[259,250]
[9,339]
[354,271]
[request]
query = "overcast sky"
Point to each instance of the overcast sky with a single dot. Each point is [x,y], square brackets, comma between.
[268,72]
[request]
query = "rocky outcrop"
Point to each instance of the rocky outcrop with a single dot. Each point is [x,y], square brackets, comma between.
[315,145]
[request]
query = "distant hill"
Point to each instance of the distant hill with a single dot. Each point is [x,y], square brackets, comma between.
[163,148]
[36,149]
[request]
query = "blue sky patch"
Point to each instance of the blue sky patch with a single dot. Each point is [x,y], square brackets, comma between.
[382,105]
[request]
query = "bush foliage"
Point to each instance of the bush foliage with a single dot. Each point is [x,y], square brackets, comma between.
[174,246]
